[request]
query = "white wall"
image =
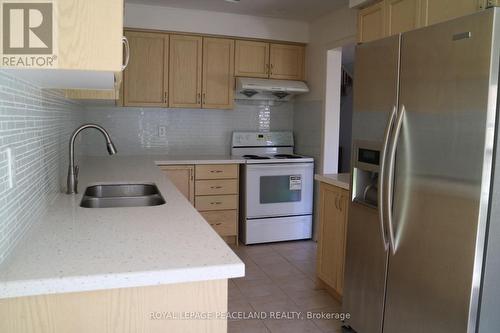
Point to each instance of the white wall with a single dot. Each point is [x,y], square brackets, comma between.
[208,22]
[328,32]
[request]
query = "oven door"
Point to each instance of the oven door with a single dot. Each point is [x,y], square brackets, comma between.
[278,189]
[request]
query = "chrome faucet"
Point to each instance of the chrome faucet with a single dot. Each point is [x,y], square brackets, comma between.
[72,182]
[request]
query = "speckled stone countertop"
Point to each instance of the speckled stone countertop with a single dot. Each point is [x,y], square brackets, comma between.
[198,159]
[74,249]
[341,180]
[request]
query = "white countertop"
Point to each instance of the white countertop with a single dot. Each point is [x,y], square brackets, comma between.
[198,159]
[341,180]
[74,249]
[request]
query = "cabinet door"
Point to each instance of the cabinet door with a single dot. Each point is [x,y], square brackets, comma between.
[403,15]
[251,59]
[371,22]
[182,176]
[331,245]
[185,71]
[146,76]
[218,70]
[435,11]
[286,62]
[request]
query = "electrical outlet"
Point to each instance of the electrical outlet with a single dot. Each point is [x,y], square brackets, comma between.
[162,131]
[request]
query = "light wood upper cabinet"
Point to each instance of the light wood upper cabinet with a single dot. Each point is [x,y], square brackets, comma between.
[371,22]
[403,15]
[218,73]
[435,11]
[286,62]
[332,236]
[269,60]
[182,176]
[389,17]
[185,65]
[251,59]
[146,76]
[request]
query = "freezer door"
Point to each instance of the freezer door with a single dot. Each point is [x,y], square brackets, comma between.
[443,159]
[375,96]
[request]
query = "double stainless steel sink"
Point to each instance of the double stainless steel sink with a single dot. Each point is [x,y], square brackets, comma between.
[122,195]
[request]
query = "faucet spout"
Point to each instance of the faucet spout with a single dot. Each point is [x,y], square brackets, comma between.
[72,180]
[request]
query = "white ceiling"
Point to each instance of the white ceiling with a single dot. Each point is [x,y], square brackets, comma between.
[303,10]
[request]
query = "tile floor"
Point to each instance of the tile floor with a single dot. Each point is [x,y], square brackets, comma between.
[280,278]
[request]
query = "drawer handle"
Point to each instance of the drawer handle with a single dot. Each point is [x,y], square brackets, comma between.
[216,171]
[215,187]
[212,224]
[216,203]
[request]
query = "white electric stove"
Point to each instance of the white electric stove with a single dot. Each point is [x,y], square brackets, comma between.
[277,188]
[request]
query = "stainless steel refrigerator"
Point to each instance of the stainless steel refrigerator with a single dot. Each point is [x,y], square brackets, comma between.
[423,239]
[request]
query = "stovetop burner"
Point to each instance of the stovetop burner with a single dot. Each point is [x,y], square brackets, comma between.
[284,156]
[255,157]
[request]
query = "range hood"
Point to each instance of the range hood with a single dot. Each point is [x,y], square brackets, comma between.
[267,89]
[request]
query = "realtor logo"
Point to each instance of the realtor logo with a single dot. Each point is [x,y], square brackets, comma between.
[27,28]
[27,34]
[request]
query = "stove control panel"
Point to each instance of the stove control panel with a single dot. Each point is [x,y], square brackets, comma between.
[262,139]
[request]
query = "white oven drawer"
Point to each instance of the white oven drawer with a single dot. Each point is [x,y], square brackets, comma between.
[278,189]
[277,229]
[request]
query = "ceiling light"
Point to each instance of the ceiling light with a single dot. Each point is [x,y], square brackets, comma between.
[232,1]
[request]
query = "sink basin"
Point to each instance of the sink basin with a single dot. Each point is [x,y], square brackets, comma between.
[121,195]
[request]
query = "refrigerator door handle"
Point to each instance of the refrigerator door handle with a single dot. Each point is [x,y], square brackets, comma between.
[381,176]
[387,200]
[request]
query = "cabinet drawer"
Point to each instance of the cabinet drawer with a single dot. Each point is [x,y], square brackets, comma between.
[216,171]
[224,222]
[215,187]
[216,202]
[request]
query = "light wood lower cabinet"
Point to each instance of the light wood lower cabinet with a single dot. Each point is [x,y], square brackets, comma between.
[213,189]
[333,203]
[222,221]
[182,176]
[126,310]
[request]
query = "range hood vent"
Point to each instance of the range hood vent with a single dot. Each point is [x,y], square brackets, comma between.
[267,89]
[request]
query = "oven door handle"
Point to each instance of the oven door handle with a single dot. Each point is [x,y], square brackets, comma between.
[278,165]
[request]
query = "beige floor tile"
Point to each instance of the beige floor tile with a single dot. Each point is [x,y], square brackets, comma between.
[296,255]
[257,288]
[291,326]
[253,272]
[275,271]
[292,283]
[307,267]
[273,304]
[272,259]
[234,293]
[246,326]
[312,299]
[241,305]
